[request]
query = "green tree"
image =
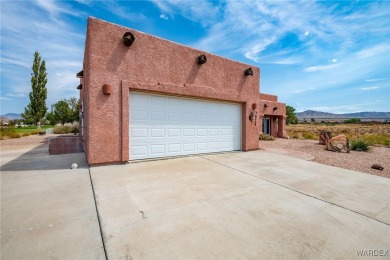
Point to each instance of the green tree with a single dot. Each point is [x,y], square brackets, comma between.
[74,106]
[66,111]
[36,109]
[51,118]
[291,116]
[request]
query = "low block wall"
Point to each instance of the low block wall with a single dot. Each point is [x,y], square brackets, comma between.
[65,144]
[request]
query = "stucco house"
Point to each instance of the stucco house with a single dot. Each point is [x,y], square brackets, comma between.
[146,97]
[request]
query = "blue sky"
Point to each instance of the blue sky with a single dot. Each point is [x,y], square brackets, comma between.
[322,55]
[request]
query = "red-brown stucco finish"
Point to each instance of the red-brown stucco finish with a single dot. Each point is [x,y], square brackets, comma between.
[156,65]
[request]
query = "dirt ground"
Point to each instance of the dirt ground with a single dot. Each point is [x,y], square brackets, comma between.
[357,161]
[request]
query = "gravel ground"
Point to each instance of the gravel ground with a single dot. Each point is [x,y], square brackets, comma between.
[357,161]
[26,140]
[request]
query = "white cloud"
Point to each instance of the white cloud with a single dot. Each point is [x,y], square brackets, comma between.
[85,2]
[373,51]
[17,62]
[164,16]
[307,33]
[334,60]
[369,88]
[377,79]
[15,95]
[201,11]
[320,68]
[4,98]
[54,9]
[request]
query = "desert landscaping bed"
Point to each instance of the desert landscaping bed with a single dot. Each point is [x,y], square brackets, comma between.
[357,161]
[26,140]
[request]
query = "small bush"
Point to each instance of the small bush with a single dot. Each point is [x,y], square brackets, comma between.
[352,121]
[34,132]
[66,129]
[380,139]
[266,137]
[309,136]
[8,132]
[359,145]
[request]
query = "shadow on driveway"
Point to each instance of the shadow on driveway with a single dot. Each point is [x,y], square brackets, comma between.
[38,159]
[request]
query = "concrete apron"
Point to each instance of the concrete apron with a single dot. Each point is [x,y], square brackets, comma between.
[47,209]
[240,205]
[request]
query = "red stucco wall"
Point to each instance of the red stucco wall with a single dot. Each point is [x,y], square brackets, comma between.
[155,65]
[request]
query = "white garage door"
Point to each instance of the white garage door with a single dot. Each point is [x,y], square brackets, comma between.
[162,126]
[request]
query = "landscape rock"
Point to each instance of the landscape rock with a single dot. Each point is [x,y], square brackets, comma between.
[338,143]
[325,135]
[377,166]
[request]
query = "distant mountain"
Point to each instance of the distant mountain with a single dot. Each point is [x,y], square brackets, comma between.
[317,114]
[11,116]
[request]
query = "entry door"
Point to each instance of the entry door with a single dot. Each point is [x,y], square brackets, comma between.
[266,126]
[162,126]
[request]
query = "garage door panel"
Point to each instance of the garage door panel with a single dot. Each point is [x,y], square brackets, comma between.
[139,115]
[189,132]
[174,132]
[157,132]
[157,149]
[157,116]
[189,147]
[139,133]
[174,148]
[139,150]
[167,126]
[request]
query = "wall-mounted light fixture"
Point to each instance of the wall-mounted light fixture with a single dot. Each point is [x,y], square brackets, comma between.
[251,115]
[248,72]
[202,59]
[275,108]
[80,74]
[80,86]
[128,38]
[265,105]
[107,89]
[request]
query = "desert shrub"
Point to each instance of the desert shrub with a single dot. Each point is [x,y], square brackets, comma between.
[34,132]
[380,139]
[26,134]
[266,137]
[76,128]
[359,144]
[352,121]
[66,129]
[8,132]
[309,136]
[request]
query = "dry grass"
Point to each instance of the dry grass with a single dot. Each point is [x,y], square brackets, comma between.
[374,134]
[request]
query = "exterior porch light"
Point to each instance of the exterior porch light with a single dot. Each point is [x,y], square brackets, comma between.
[80,86]
[202,59]
[248,72]
[128,39]
[80,74]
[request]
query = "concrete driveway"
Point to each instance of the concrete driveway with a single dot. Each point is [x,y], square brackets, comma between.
[252,205]
[47,209]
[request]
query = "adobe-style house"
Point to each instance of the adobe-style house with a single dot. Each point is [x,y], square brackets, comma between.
[146,97]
